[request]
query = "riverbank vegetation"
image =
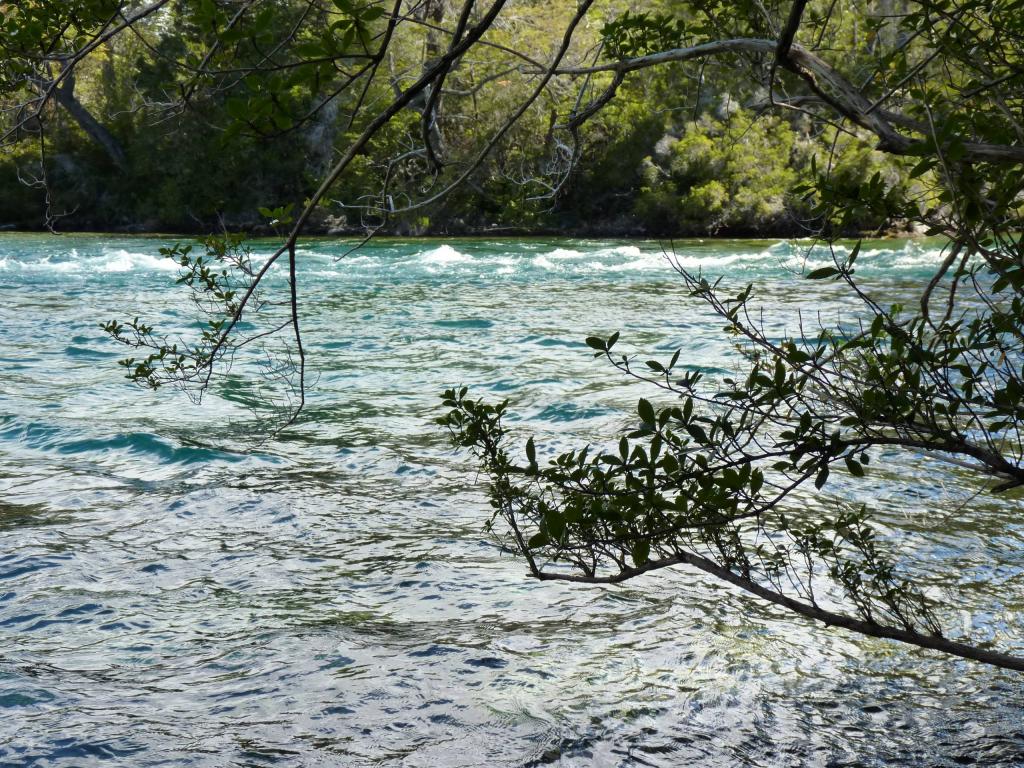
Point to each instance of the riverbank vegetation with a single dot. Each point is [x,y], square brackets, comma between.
[143,138]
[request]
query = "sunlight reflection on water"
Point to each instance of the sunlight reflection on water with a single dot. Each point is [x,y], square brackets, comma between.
[168,598]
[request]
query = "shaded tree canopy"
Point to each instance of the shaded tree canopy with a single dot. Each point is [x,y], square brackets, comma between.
[267,93]
[435,104]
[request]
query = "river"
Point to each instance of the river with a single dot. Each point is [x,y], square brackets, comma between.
[173,594]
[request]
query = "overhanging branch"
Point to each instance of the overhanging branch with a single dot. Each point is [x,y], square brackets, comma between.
[827,83]
[814,612]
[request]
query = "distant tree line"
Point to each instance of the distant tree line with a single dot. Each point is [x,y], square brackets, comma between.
[145,134]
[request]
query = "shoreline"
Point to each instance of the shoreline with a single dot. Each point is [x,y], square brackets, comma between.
[503,233]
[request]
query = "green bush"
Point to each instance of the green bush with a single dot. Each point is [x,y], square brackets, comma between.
[728,175]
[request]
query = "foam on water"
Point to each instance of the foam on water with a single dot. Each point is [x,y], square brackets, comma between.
[444,254]
[563,253]
[717,262]
[120,260]
[804,257]
[322,261]
[110,260]
[645,263]
[621,251]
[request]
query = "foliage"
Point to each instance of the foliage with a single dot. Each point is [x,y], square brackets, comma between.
[639,34]
[716,481]
[730,175]
[272,135]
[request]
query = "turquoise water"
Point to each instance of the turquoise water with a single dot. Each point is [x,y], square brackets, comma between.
[171,596]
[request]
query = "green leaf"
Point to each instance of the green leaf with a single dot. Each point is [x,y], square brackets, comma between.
[539,539]
[822,273]
[922,167]
[555,524]
[641,553]
[854,466]
[311,50]
[853,254]
[237,108]
[282,121]
[646,411]
[364,34]
[697,432]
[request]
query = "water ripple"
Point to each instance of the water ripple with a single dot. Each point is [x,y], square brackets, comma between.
[167,598]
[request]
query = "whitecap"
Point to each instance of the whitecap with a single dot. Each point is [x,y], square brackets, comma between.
[714,262]
[624,251]
[920,259]
[121,260]
[563,253]
[639,261]
[63,267]
[444,254]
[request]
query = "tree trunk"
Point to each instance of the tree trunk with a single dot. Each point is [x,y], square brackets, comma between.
[65,95]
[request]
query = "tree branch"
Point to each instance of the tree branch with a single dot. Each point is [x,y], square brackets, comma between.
[814,612]
[824,80]
[65,96]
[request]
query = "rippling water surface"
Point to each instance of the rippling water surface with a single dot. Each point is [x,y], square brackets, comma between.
[170,597]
